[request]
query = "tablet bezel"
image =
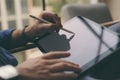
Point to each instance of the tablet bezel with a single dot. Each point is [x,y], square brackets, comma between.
[85,67]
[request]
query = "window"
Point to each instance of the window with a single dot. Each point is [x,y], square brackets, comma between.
[12,24]
[25,22]
[10,7]
[24,6]
[37,2]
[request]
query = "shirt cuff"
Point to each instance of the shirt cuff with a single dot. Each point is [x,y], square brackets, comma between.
[8,72]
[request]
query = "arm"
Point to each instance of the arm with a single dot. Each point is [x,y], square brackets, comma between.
[5,38]
[48,67]
[37,29]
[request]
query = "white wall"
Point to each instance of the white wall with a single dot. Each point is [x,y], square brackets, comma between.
[114,6]
[94,1]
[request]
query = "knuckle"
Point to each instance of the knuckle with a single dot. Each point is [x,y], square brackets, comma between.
[59,18]
[55,14]
[62,61]
[50,24]
[63,65]
[52,54]
[59,60]
[51,69]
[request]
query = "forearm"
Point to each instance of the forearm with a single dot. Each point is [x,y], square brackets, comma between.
[17,39]
[37,29]
[11,38]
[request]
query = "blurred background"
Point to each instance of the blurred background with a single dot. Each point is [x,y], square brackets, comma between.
[15,14]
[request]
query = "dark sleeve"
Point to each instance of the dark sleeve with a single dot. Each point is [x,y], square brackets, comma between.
[5,38]
[115,27]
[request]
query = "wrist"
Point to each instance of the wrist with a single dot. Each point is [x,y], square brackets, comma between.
[24,36]
[23,73]
[17,36]
[27,36]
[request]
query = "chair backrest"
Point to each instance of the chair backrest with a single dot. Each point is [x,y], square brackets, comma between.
[96,12]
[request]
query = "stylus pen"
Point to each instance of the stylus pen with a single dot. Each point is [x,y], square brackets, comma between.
[45,21]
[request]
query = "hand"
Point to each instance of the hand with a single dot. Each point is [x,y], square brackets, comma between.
[38,29]
[48,67]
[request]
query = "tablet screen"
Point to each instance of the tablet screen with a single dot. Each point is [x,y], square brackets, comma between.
[90,44]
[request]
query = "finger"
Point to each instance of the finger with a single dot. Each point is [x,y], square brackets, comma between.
[56,55]
[59,26]
[53,28]
[56,28]
[52,18]
[56,61]
[64,76]
[65,66]
[57,21]
[47,16]
[49,27]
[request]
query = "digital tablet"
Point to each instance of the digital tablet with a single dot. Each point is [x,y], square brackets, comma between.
[90,44]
